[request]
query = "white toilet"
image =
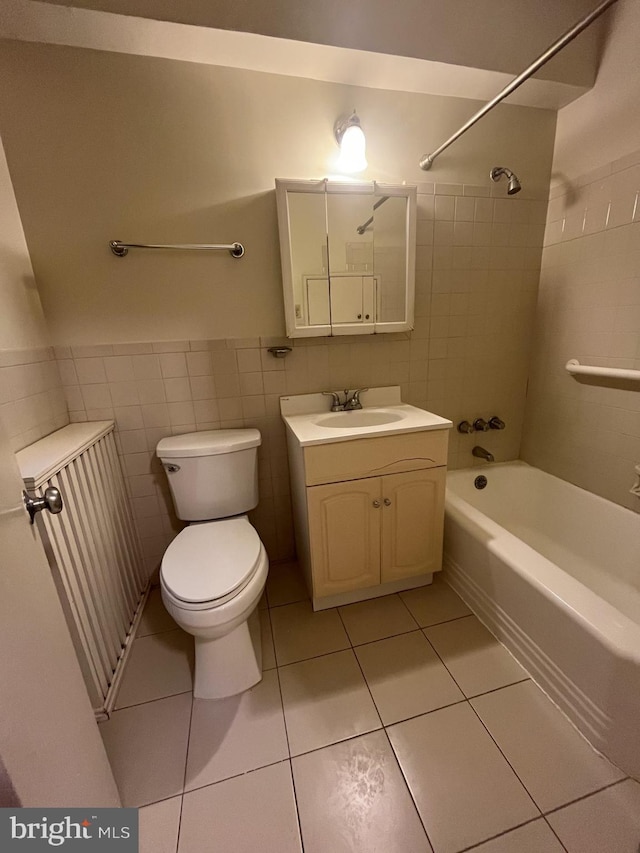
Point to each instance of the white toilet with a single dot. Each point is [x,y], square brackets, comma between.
[214,572]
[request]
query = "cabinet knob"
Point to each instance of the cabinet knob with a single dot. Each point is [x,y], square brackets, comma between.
[387,502]
[376,503]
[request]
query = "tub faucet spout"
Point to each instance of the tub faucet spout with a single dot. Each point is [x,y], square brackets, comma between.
[481,453]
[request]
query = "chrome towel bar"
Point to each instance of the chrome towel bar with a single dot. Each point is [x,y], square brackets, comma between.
[236,250]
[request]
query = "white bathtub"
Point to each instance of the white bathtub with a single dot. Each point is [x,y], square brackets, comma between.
[554,572]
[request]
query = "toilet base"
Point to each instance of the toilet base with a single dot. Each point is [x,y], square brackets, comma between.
[230,664]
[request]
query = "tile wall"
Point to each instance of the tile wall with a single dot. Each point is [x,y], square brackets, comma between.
[478,261]
[588,432]
[32,402]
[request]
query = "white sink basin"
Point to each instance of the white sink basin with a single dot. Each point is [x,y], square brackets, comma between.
[310,422]
[359,418]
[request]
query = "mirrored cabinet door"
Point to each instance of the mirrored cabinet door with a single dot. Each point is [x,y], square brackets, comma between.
[348,257]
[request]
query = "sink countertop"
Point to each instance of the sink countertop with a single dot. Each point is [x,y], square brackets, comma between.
[302,413]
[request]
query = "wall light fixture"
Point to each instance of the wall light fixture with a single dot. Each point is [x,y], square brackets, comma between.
[350,137]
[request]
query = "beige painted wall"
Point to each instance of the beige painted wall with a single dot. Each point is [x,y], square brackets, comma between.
[22,322]
[104,146]
[604,124]
[502,35]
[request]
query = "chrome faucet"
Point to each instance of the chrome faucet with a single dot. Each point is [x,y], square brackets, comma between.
[353,402]
[481,453]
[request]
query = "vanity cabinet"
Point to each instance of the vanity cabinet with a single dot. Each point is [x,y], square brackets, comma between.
[369,514]
[376,530]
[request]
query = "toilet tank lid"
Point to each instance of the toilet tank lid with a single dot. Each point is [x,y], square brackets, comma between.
[209,443]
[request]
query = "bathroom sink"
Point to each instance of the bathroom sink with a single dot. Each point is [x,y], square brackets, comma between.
[309,420]
[359,418]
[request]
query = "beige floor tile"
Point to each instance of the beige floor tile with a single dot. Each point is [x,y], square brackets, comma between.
[159,826]
[474,657]
[434,603]
[147,749]
[463,787]
[406,677]
[268,652]
[534,837]
[299,633]
[254,813]
[232,736]
[326,700]
[160,665]
[286,585]
[155,618]
[352,799]
[376,619]
[555,764]
[608,822]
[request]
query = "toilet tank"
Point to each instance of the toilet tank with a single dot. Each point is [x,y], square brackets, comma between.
[212,474]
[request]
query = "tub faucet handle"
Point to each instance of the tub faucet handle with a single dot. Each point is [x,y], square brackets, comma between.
[480,425]
[496,423]
[465,427]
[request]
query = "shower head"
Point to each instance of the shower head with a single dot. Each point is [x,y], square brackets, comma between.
[514,184]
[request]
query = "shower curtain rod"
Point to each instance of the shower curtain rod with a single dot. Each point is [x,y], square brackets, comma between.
[427,161]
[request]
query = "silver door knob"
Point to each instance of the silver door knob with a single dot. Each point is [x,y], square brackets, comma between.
[387,502]
[51,501]
[376,504]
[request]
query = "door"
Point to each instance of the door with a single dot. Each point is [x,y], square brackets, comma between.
[412,522]
[344,531]
[49,741]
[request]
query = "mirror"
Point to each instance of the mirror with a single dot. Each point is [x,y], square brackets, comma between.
[348,257]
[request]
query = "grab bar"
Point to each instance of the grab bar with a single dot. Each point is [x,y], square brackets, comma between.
[576,369]
[236,250]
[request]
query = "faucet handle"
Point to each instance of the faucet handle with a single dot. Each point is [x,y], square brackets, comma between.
[336,405]
[496,423]
[356,394]
[465,427]
[480,425]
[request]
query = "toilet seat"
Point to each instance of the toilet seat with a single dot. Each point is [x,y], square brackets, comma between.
[208,564]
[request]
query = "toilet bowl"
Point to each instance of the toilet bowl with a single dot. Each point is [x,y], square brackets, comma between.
[214,572]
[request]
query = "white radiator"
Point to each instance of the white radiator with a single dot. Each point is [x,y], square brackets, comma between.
[92,548]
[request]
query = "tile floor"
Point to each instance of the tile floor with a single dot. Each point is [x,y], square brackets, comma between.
[396,725]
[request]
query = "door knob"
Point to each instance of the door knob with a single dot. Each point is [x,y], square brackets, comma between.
[51,501]
[376,504]
[387,502]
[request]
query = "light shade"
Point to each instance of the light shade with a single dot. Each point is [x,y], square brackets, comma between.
[350,137]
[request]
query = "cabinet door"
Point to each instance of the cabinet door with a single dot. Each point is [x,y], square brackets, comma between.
[344,531]
[412,522]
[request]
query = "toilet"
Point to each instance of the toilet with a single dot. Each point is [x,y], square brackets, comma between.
[214,572]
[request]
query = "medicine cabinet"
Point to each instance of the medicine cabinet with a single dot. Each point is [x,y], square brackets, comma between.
[348,257]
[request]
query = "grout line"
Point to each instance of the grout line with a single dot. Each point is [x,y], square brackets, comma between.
[146,702]
[586,796]
[502,834]
[286,734]
[287,603]
[233,776]
[406,784]
[184,777]
[556,834]
[496,689]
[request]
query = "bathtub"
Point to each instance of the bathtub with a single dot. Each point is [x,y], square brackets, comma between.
[554,572]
